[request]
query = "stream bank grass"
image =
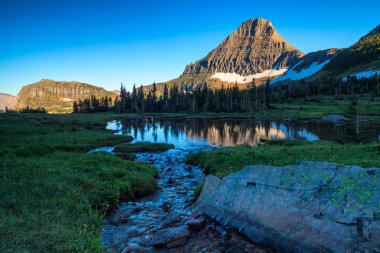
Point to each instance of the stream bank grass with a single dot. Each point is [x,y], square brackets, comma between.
[54,195]
[224,161]
[140,147]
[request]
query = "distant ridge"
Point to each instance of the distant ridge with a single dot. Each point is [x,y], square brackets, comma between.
[7,101]
[57,96]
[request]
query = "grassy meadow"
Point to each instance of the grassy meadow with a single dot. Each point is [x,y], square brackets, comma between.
[54,195]
[224,161]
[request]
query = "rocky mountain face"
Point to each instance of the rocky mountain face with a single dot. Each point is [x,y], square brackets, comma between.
[257,51]
[303,208]
[308,65]
[57,96]
[254,51]
[7,100]
[253,48]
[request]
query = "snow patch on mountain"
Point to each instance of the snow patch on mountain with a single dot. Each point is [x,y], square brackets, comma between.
[233,77]
[363,74]
[293,75]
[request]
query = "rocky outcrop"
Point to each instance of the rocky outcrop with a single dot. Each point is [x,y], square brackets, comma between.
[57,95]
[7,101]
[253,48]
[308,207]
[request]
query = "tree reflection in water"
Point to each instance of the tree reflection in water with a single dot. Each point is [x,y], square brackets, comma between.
[225,132]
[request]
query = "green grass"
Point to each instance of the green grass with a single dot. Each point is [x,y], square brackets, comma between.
[54,195]
[198,190]
[143,147]
[225,161]
[298,108]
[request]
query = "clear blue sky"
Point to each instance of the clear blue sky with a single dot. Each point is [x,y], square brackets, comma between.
[110,41]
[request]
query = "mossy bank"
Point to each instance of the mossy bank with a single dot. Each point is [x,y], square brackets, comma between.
[225,161]
[54,195]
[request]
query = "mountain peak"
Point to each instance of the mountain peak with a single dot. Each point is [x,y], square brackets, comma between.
[254,22]
[254,47]
[255,27]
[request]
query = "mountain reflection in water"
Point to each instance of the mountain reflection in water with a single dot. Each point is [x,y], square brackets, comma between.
[225,132]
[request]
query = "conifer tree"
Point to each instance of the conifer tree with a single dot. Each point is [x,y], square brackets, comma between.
[267,94]
[141,99]
[166,97]
[75,107]
[134,99]
[253,95]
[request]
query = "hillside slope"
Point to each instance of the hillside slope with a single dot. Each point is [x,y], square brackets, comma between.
[362,56]
[57,96]
[7,100]
[308,65]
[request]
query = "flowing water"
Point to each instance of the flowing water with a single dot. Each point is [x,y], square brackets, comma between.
[134,225]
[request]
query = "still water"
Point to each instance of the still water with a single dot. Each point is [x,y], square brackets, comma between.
[225,132]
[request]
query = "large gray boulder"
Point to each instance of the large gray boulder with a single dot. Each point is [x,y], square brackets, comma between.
[308,207]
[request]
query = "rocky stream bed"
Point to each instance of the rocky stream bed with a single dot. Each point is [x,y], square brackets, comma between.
[164,221]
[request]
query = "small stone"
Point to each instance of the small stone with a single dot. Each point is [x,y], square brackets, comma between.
[170,237]
[119,220]
[189,175]
[195,224]
[182,192]
[166,206]
[119,242]
[137,209]
[134,248]
[169,220]
[170,181]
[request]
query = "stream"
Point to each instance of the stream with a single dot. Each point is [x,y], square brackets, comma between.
[163,221]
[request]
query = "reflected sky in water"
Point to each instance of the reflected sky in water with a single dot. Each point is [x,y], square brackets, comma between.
[183,132]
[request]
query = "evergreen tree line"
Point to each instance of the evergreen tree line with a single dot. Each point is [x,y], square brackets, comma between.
[328,87]
[93,104]
[227,99]
[194,100]
[26,109]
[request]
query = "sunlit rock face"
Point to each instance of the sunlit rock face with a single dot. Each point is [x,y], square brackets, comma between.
[51,94]
[307,207]
[255,47]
